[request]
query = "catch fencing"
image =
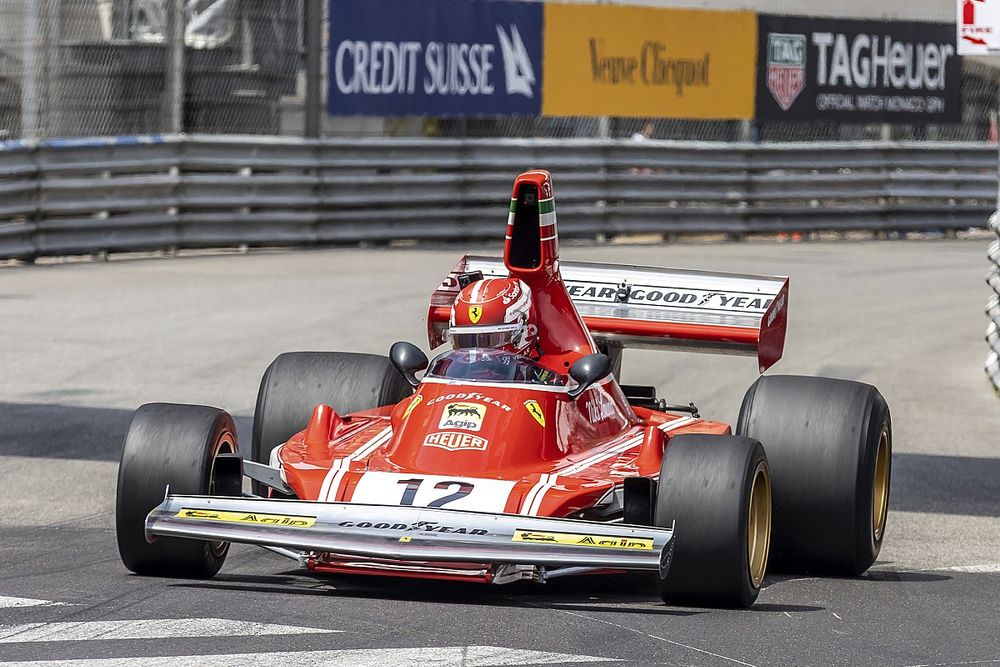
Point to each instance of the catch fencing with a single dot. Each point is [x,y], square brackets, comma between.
[150,193]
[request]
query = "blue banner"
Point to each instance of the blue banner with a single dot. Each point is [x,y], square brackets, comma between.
[435,58]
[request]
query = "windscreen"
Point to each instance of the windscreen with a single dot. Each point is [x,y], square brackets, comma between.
[487,365]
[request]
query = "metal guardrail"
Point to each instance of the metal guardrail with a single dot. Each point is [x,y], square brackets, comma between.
[143,193]
[993,308]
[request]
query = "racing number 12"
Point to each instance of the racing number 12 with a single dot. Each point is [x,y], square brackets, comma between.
[412,485]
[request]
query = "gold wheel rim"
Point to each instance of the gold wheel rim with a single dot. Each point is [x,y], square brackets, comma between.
[880,486]
[759,524]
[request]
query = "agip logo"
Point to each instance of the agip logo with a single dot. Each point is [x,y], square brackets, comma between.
[786,67]
[465,416]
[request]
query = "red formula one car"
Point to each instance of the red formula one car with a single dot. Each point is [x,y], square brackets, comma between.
[495,467]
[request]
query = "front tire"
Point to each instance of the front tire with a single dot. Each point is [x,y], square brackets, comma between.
[176,446]
[829,443]
[296,382]
[717,488]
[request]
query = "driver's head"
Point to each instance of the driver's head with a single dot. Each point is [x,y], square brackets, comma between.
[494,313]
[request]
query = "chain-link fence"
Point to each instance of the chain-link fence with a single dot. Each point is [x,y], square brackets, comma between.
[73,68]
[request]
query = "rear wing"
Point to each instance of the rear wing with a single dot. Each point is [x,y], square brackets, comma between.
[646,307]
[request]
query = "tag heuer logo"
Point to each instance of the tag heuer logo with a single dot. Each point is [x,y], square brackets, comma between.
[786,67]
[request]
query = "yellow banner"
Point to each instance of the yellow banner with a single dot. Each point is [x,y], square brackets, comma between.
[616,60]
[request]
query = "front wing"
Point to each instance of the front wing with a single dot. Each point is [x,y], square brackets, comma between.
[412,533]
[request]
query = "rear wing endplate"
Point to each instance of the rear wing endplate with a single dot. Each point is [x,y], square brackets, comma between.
[646,307]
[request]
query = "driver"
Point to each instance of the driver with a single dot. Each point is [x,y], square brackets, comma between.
[495,313]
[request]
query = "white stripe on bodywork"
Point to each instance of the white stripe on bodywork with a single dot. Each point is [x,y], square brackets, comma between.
[340,467]
[677,423]
[438,656]
[164,628]
[533,501]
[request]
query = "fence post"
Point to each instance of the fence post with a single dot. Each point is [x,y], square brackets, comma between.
[30,78]
[173,43]
[314,59]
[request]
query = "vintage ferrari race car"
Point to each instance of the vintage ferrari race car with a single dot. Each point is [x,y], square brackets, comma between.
[548,469]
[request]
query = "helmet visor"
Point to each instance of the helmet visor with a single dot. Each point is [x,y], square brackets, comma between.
[501,336]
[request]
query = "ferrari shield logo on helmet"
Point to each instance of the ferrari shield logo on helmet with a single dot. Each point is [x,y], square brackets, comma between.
[535,411]
[786,67]
[475,312]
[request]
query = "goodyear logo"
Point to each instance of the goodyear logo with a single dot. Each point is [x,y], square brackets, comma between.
[287,521]
[582,540]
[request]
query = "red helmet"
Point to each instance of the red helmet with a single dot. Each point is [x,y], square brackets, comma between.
[495,313]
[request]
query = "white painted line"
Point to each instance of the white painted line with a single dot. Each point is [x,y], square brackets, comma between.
[445,656]
[986,568]
[147,629]
[7,602]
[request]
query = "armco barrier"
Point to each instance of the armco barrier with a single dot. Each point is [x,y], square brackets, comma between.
[993,308]
[142,193]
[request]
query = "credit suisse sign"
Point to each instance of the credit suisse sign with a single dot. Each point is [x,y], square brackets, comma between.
[434,57]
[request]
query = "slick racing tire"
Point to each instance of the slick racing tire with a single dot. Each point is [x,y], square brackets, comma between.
[829,444]
[717,489]
[296,382]
[176,446]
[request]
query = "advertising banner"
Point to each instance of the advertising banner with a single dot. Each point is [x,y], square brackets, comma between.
[435,58]
[978,27]
[614,60]
[857,71]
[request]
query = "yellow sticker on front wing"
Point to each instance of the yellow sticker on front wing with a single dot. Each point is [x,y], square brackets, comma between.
[583,540]
[287,521]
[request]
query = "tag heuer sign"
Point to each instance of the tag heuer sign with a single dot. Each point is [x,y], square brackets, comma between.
[786,67]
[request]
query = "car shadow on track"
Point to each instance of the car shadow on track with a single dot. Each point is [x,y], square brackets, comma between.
[73,432]
[629,594]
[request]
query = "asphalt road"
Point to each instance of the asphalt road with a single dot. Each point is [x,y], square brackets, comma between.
[83,344]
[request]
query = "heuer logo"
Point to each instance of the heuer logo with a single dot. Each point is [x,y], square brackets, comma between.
[518,71]
[786,67]
[467,416]
[455,441]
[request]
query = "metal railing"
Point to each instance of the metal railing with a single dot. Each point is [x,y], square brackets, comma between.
[161,192]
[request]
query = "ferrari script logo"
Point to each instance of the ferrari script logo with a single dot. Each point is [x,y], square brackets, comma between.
[475,312]
[535,411]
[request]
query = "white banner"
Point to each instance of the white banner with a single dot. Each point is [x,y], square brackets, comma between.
[978,27]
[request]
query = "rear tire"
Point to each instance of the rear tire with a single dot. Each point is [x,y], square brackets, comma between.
[829,443]
[717,489]
[173,445]
[296,382]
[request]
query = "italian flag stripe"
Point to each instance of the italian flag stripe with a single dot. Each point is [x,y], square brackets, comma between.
[544,205]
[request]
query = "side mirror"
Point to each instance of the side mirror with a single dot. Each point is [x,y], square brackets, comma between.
[408,359]
[588,370]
